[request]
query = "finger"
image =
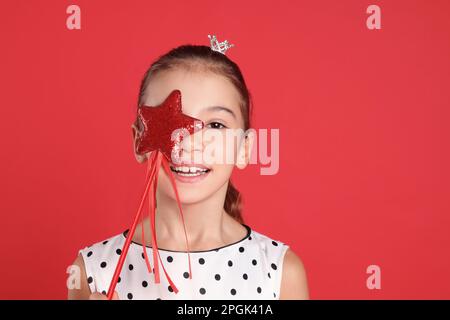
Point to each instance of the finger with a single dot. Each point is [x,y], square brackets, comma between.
[97,296]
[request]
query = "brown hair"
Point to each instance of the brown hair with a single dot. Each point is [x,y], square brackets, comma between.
[203,58]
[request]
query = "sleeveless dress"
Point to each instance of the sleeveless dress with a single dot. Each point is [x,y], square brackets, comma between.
[248,269]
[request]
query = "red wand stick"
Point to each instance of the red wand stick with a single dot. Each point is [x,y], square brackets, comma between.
[122,257]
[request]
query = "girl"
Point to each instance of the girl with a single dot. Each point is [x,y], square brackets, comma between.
[230,260]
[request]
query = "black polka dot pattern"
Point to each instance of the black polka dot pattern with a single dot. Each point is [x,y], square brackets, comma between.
[245,269]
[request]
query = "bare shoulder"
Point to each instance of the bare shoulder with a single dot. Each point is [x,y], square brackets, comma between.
[82,292]
[294,284]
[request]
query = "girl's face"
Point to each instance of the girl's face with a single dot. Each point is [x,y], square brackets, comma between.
[209,155]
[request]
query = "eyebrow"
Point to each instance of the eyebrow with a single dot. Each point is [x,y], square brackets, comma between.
[221,108]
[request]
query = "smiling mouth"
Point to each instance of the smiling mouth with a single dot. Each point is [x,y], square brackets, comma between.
[189,171]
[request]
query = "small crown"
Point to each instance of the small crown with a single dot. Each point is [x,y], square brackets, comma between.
[221,47]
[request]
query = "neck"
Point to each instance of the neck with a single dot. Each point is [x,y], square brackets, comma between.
[205,221]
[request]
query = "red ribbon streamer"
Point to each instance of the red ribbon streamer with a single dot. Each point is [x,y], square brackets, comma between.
[155,162]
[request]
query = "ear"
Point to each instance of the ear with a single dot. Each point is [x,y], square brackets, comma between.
[245,149]
[136,135]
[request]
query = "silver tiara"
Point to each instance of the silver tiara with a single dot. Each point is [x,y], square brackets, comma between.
[221,47]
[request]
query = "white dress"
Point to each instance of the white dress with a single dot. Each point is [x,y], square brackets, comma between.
[250,268]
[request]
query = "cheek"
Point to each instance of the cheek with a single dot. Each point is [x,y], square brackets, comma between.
[220,148]
[222,172]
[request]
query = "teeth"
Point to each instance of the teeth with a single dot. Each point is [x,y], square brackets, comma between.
[191,174]
[189,171]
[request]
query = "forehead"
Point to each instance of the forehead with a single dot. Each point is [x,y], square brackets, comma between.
[199,90]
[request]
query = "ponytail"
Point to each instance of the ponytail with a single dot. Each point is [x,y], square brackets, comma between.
[233,203]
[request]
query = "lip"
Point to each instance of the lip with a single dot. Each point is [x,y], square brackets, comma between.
[188,164]
[193,179]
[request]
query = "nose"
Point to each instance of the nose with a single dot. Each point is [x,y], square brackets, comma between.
[191,145]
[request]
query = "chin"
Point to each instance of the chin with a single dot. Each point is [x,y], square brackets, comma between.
[194,188]
[190,196]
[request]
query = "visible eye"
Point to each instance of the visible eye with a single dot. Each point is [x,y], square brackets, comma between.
[216,125]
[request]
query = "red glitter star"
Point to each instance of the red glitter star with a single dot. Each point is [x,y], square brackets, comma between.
[161,121]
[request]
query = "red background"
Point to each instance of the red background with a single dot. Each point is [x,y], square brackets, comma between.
[363,118]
